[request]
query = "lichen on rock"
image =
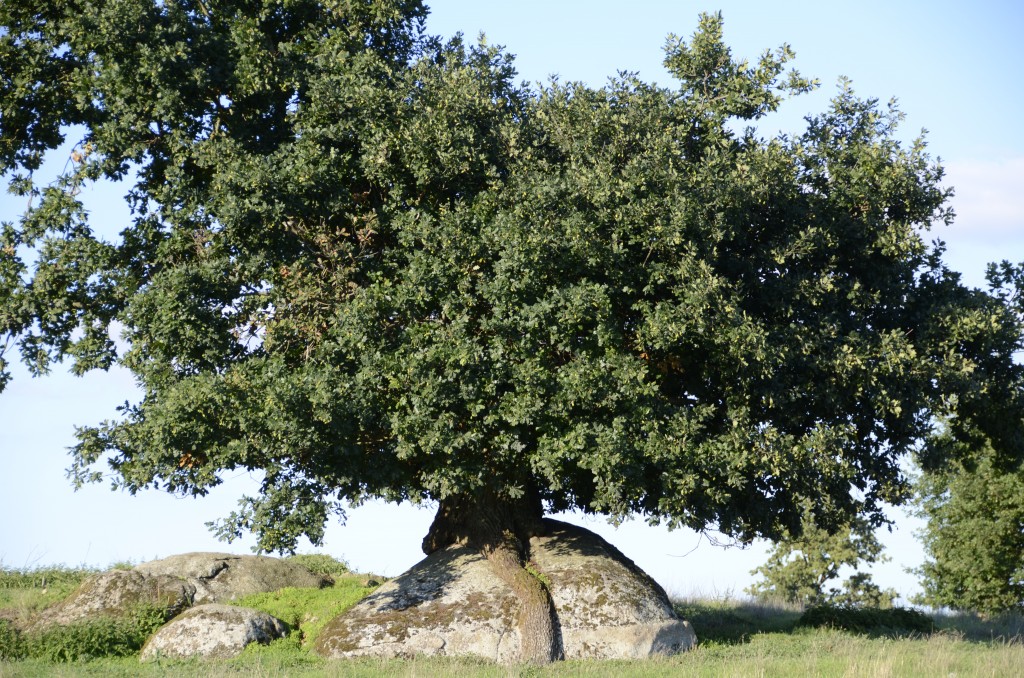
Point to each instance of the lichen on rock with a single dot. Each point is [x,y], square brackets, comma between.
[607,606]
[213,631]
[449,604]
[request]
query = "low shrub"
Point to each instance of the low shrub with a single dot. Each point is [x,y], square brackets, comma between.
[321,563]
[105,636]
[868,620]
[732,622]
[12,645]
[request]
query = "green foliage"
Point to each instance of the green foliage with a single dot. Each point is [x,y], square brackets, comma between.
[875,621]
[974,537]
[102,636]
[974,501]
[321,563]
[365,262]
[12,645]
[800,568]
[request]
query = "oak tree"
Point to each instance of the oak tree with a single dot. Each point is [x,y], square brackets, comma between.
[365,262]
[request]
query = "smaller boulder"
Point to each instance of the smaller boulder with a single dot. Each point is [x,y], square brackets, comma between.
[116,593]
[213,631]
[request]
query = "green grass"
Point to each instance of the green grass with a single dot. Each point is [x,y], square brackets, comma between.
[737,638]
[309,610]
[803,653]
[27,590]
[731,622]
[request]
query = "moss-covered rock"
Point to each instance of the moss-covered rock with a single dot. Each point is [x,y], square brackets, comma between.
[449,603]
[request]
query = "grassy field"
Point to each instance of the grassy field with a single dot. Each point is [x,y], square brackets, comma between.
[737,638]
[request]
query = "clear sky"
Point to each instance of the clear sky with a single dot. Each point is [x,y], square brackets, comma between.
[954,66]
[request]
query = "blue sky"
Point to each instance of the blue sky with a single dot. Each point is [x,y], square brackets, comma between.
[952,65]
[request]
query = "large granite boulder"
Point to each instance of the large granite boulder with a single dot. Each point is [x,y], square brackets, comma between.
[220,577]
[116,593]
[451,603]
[213,631]
[608,608]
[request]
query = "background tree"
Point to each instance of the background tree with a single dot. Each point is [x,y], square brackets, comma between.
[365,263]
[974,507]
[974,539]
[805,568]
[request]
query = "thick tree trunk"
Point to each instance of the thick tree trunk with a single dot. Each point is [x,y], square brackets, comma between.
[501,529]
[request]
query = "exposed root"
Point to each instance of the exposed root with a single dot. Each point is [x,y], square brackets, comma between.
[501,531]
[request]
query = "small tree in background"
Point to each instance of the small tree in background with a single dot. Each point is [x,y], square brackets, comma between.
[973,501]
[974,539]
[802,569]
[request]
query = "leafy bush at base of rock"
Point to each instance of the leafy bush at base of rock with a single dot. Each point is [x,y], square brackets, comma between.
[289,646]
[104,636]
[320,563]
[867,619]
[12,645]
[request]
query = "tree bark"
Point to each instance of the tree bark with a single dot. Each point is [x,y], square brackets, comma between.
[500,529]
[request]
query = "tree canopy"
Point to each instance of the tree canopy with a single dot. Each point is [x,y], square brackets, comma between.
[366,262]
